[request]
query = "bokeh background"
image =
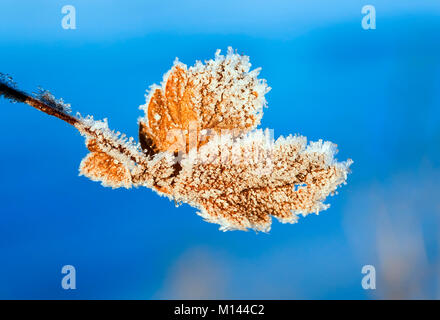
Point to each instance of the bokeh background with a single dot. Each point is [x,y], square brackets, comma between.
[376,93]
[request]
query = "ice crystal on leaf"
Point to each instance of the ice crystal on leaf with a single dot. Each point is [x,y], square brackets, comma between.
[199,144]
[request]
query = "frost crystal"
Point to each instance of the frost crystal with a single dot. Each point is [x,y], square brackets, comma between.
[48,98]
[7,82]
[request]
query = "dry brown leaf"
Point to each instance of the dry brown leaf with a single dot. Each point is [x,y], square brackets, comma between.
[196,103]
[99,166]
[238,192]
[170,113]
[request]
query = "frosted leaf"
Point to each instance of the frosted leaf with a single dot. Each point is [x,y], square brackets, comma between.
[220,94]
[198,144]
[240,184]
[113,159]
[99,166]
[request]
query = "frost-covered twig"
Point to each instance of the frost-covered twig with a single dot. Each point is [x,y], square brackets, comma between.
[47,103]
[8,90]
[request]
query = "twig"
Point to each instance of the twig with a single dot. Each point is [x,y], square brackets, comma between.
[19,96]
[8,90]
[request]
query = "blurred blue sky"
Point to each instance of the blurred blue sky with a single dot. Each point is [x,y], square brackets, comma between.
[375,93]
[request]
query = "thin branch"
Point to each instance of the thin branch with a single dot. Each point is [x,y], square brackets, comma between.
[19,96]
[8,90]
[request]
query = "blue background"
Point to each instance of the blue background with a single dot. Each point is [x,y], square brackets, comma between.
[376,93]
